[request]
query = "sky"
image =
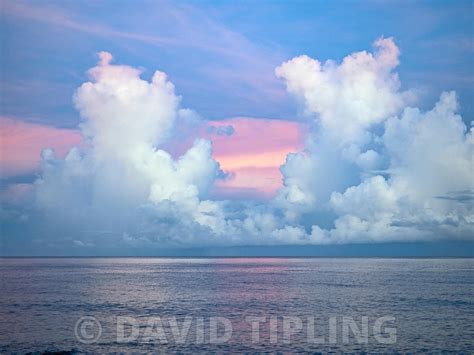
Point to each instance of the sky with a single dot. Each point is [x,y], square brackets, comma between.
[156,128]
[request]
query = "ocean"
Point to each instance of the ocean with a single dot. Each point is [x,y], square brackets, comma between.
[76,305]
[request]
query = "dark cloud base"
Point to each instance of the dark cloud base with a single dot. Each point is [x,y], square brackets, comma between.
[458,249]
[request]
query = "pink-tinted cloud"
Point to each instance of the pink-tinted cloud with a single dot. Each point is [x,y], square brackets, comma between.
[21,144]
[253,154]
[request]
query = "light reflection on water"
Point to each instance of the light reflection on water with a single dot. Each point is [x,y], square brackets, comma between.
[41,299]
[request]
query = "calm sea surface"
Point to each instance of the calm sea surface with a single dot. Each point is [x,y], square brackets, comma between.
[428,302]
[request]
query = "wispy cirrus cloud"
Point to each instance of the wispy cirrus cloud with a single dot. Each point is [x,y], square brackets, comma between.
[219,54]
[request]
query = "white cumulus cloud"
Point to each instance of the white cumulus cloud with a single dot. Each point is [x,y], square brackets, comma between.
[374,169]
[387,170]
[349,97]
[122,169]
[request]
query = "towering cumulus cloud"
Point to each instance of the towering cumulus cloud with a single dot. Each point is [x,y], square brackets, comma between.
[388,171]
[350,97]
[123,169]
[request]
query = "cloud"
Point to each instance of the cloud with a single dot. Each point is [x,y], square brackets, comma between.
[249,150]
[241,68]
[125,121]
[459,196]
[378,164]
[349,97]
[373,169]
[221,130]
[345,103]
[117,106]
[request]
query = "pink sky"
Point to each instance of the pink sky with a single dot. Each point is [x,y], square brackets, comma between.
[21,144]
[251,156]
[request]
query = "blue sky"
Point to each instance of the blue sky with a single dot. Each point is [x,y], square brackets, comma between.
[150,127]
[221,55]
